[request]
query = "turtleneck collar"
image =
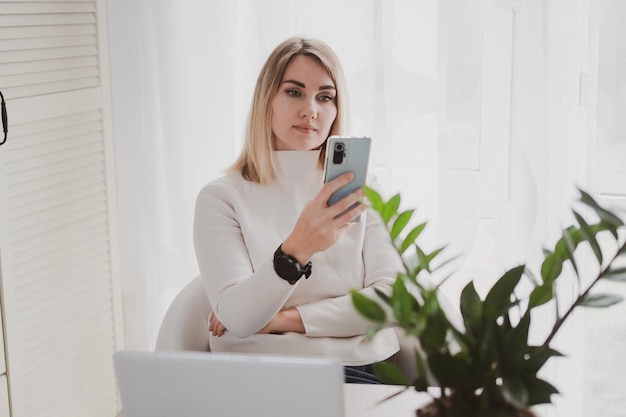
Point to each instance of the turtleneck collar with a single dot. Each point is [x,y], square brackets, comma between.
[296,165]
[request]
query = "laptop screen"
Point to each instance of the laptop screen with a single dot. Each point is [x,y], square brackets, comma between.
[203,384]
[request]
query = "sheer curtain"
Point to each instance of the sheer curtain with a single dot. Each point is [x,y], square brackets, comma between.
[473,108]
[183,74]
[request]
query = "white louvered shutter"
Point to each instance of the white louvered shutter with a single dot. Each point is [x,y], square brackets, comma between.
[57,241]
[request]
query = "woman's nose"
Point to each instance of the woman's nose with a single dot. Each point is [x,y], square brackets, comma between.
[309,109]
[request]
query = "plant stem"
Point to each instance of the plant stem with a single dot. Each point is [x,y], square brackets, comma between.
[580,298]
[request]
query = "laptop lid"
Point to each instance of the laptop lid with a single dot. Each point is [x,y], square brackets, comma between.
[203,384]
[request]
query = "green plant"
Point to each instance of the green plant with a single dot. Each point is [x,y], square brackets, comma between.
[488,367]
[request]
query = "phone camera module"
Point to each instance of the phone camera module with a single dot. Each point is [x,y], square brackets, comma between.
[339,153]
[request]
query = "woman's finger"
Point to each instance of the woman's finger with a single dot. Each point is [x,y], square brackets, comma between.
[331,186]
[216,328]
[348,207]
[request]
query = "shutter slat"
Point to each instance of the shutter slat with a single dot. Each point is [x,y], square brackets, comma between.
[92,393]
[59,223]
[24,130]
[28,204]
[81,361]
[24,183]
[31,91]
[49,65]
[58,77]
[87,253]
[50,213]
[21,32]
[72,313]
[34,55]
[13,20]
[17,44]
[42,7]
[57,157]
[55,140]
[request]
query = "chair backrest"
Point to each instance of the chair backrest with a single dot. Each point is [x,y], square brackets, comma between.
[185,325]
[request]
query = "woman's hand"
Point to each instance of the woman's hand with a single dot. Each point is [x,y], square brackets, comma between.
[320,225]
[288,320]
[215,326]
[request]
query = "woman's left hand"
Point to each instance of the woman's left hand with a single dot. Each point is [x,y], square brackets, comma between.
[288,320]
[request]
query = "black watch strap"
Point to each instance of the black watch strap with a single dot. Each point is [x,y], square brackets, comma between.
[288,268]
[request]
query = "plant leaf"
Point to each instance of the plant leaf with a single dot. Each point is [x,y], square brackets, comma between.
[540,391]
[434,335]
[390,208]
[540,295]
[610,220]
[424,259]
[487,345]
[375,200]
[538,356]
[600,300]
[551,268]
[401,221]
[448,370]
[433,255]
[515,391]
[387,373]
[403,304]
[368,308]
[498,299]
[471,310]
[518,340]
[411,237]
[383,296]
[422,262]
[421,380]
[589,236]
[617,274]
[570,237]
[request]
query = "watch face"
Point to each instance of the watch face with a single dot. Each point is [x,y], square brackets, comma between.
[286,268]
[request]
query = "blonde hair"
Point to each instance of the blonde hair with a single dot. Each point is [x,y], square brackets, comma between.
[256,161]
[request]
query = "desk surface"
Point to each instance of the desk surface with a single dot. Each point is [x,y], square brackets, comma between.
[362,400]
[366,401]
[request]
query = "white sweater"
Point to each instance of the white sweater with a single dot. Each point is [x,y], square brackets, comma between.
[239,224]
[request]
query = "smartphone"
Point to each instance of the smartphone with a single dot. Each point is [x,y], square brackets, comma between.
[346,154]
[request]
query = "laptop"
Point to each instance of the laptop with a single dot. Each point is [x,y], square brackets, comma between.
[203,384]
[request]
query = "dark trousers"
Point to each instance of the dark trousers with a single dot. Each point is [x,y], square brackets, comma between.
[360,375]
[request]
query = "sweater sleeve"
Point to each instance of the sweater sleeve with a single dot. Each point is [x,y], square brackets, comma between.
[337,317]
[244,300]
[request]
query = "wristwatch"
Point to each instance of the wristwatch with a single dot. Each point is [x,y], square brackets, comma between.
[288,268]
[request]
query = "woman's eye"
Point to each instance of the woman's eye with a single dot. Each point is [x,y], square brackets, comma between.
[293,93]
[325,98]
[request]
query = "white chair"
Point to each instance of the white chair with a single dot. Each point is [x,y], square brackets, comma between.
[185,327]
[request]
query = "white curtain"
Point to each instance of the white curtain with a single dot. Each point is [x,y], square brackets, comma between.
[183,74]
[473,107]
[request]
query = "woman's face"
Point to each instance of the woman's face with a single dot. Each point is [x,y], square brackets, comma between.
[304,108]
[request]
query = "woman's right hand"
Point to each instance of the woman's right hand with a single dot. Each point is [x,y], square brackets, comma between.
[319,225]
[215,326]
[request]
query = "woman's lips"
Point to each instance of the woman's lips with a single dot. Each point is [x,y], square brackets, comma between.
[305,128]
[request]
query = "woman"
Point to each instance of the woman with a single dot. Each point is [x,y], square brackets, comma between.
[278,264]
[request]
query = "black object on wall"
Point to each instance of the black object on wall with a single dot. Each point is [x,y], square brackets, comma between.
[5,123]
